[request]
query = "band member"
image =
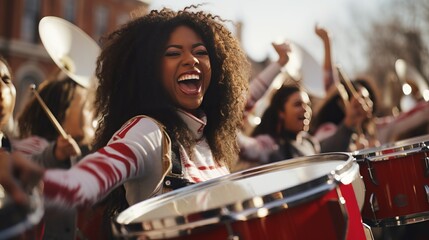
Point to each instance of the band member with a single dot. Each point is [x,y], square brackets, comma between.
[13,224]
[7,101]
[40,140]
[254,151]
[286,121]
[340,110]
[170,82]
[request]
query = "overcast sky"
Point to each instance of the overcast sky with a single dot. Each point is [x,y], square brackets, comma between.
[270,20]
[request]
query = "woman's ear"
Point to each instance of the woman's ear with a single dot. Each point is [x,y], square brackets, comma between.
[280,120]
[281,115]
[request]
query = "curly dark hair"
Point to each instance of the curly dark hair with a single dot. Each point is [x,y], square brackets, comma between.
[130,79]
[3,59]
[270,118]
[57,95]
[129,71]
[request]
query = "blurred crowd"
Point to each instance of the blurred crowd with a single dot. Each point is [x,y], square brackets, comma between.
[112,135]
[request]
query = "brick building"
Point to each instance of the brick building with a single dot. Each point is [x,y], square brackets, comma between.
[19,37]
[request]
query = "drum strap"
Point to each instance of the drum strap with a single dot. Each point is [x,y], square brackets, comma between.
[5,143]
[175,159]
[174,179]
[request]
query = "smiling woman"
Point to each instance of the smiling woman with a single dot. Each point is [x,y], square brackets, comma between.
[186,70]
[170,99]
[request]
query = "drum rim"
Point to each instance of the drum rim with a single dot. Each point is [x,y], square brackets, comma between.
[249,208]
[399,220]
[32,218]
[395,151]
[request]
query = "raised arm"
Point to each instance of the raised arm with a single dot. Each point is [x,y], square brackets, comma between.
[260,84]
[327,63]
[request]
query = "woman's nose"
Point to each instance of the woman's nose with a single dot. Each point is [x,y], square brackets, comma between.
[190,59]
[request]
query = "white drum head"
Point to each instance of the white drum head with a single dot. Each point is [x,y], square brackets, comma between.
[242,195]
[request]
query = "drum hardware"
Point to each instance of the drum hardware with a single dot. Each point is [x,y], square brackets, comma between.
[427,192]
[371,171]
[231,235]
[342,230]
[230,231]
[397,198]
[374,206]
[368,232]
[426,160]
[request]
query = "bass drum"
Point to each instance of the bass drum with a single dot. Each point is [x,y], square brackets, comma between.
[303,198]
[396,178]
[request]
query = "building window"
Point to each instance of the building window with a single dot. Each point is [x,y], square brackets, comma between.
[69,10]
[30,20]
[101,20]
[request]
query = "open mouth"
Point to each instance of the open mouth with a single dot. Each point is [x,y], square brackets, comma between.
[190,83]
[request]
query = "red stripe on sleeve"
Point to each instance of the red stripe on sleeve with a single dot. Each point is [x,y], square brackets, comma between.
[123,149]
[101,183]
[126,128]
[50,190]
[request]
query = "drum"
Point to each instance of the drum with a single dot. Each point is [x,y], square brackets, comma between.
[303,198]
[396,178]
[20,221]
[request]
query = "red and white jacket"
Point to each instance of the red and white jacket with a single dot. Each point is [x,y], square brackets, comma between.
[135,156]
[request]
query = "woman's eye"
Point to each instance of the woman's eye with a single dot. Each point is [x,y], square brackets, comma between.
[201,52]
[171,54]
[6,79]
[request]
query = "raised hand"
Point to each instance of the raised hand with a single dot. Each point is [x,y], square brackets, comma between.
[322,33]
[283,50]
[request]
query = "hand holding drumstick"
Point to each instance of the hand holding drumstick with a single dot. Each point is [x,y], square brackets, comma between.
[66,146]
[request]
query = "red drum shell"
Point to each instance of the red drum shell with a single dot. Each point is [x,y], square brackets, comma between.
[324,203]
[398,183]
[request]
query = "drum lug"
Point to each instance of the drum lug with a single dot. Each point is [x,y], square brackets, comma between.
[427,192]
[345,215]
[371,172]
[231,234]
[426,160]
[374,205]
[368,232]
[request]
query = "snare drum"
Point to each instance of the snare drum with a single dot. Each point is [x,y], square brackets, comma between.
[303,198]
[396,178]
[19,222]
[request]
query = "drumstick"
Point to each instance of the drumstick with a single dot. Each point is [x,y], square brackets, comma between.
[51,116]
[366,106]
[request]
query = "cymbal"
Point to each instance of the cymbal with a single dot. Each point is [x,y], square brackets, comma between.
[72,50]
[407,74]
[304,68]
